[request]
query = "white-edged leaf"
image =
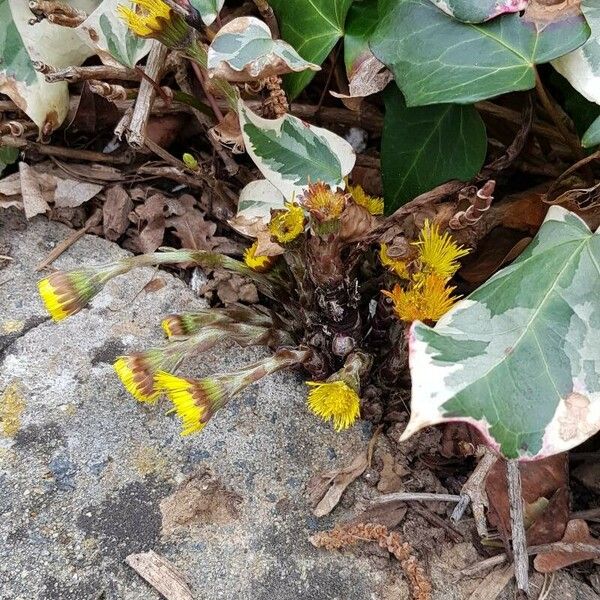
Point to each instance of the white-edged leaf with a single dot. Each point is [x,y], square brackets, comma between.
[520,357]
[582,66]
[291,154]
[208,9]
[254,207]
[20,43]
[108,34]
[243,50]
[592,136]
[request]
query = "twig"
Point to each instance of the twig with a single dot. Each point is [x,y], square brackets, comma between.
[519,541]
[75,153]
[209,96]
[92,221]
[581,163]
[474,492]
[143,105]
[103,72]
[554,112]
[419,496]
[455,535]
[266,12]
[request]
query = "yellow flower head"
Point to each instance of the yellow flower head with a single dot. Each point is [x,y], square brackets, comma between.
[256,262]
[396,265]
[428,301]
[438,253]
[323,203]
[156,19]
[287,224]
[188,324]
[137,373]
[335,401]
[66,293]
[194,400]
[371,203]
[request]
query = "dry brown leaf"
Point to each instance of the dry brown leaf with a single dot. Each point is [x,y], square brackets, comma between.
[228,132]
[390,480]
[333,484]
[576,531]
[389,514]
[37,189]
[150,220]
[115,212]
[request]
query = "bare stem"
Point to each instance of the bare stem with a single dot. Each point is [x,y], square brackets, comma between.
[519,541]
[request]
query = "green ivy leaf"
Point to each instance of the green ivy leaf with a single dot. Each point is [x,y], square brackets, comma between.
[312,27]
[437,59]
[208,9]
[291,153]
[520,357]
[582,66]
[478,11]
[427,145]
[243,50]
[361,22]
[592,136]
[8,156]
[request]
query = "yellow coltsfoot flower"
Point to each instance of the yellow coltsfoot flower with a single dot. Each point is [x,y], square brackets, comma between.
[396,265]
[438,253]
[335,401]
[323,203]
[66,293]
[371,203]
[137,373]
[256,262]
[194,400]
[287,224]
[429,301]
[155,19]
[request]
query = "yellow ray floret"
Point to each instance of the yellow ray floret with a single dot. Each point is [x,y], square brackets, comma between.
[151,21]
[396,265]
[65,294]
[371,203]
[323,203]
[427,302]
[137,375]
[194,401]
[256,262]
[335,401]
[286,225]
[438,253]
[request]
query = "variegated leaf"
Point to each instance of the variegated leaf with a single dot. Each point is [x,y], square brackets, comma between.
[582,66]
[592,136]
[291,153]
[520,357]
[208,9]
[21,43]
[243,50]
[478,11]
[107,34]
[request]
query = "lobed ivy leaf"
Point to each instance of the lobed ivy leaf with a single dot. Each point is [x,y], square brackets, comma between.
[436,58]
[291,153]
[208,9]
[424,146]
[108,34]
[243,50]
[8,156]
[520,357]
[582,66]
[478,11]
[21,43]
[312,27]
[591,137]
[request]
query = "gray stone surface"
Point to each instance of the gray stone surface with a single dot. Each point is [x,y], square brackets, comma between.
[85,471]
[82,478]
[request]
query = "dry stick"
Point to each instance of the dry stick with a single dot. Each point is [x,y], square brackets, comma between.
[420,496]
[75,153]
[455,535]
[517,523]
[266,12]
[103,72]
[570,138]
[581,163]
[143,105]
[92,221]
[474,492]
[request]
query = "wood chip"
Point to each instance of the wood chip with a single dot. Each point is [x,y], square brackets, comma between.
[161,574]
